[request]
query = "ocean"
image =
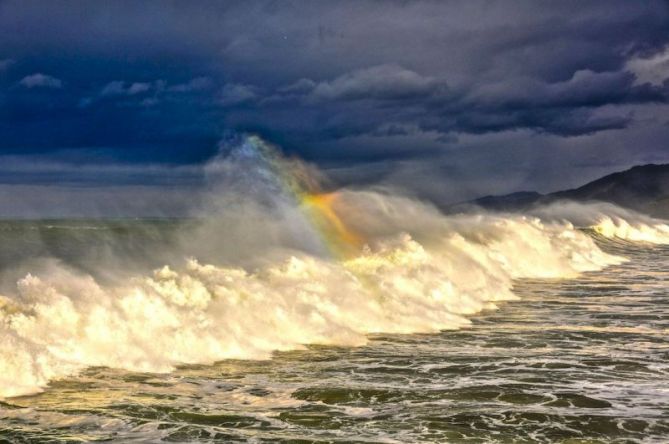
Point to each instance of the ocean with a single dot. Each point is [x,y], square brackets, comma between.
[285,312]
[584,359]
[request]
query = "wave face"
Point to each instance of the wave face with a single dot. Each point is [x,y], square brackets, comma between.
[657,233]
[609,221]
[325,268]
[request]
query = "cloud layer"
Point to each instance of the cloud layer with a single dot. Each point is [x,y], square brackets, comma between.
[372,91]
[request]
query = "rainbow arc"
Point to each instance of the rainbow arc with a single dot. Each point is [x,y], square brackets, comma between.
[319,208]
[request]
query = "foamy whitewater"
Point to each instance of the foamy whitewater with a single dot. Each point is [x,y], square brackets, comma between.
[360,262]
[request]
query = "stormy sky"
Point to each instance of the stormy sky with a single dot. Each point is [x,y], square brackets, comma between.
[114,107]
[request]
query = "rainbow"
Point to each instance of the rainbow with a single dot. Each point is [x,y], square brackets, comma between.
[319,208]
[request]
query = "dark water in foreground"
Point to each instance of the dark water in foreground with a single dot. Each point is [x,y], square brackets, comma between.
[580,361]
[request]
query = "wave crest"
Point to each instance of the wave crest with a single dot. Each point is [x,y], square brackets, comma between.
[615,227]
[64,321]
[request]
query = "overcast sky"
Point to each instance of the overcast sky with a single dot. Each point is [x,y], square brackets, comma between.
[444,100]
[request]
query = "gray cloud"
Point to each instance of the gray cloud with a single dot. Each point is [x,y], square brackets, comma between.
[119,88]
[49,201]
[383,82]
[236,94]
[16,169]
[193,85]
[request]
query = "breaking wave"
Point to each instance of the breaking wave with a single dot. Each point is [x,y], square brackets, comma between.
[610,227]
[387,264]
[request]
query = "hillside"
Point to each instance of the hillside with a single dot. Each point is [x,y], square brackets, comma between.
[643,188]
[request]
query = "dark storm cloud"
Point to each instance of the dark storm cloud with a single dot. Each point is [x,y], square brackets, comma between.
[343,84]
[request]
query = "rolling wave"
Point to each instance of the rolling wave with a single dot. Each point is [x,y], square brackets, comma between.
[389,264]
[657,233]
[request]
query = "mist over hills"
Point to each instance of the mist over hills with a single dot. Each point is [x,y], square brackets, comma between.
[644,188]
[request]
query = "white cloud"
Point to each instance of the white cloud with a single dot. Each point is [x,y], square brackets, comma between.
[301,86]
[378,82]
[112,88]
[653,70]
[39,80]
[138,88]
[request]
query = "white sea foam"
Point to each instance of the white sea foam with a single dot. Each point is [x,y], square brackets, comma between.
[420,271]
[654,233]
[61,321]
[608,220]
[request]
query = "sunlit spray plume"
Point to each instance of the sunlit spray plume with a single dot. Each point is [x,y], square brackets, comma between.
[639,232]
[341,239]
[257,170]
[608,220]
[423,272]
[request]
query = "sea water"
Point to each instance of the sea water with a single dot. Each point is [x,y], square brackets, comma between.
[577,354]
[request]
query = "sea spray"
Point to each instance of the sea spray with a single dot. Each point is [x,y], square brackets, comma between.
[406,269]
[607,220]
[62,322]
[654,233]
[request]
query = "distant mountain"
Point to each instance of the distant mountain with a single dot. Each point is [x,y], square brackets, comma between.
[513,201]
[643,188]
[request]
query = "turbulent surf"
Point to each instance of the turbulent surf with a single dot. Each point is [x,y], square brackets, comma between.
[299,265]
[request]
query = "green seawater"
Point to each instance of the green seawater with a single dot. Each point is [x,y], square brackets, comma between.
[573,361]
